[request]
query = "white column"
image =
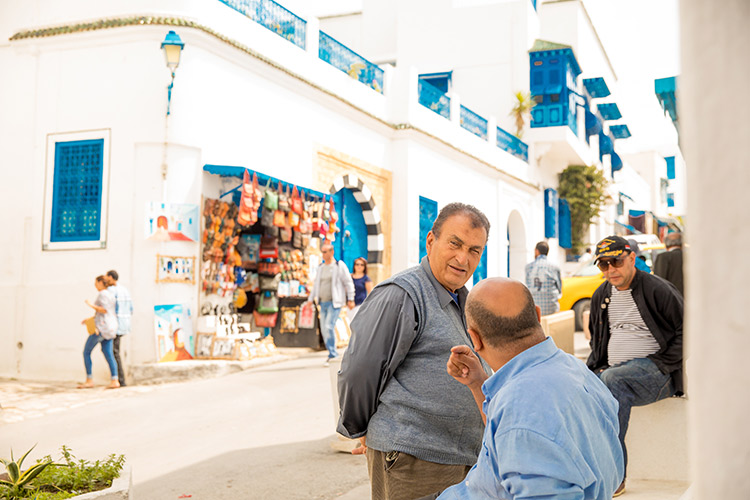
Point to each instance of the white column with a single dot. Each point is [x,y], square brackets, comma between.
[714,136]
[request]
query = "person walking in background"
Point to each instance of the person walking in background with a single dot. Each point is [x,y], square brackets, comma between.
[420,430]
[636,333]
[544,281]
[586,257]
[332,289]
[668,265]
[105,321]
[124,311]
[551,424]
[640,259]
[362,285]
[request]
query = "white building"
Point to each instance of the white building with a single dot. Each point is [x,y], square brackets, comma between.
[258,87]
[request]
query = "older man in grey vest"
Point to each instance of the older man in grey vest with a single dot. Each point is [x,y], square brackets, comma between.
[420,429]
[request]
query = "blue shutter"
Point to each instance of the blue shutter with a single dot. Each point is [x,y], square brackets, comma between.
[481,271]
[428,211]
[550,213]
[77,191]
[670,167]
[565,226]
[670,199]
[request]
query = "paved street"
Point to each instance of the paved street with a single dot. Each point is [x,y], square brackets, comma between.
[262,433]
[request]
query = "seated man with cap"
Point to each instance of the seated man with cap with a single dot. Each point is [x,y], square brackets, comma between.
[636,333]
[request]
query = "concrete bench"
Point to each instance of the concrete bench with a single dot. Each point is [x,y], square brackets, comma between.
[561,326]
[657,441]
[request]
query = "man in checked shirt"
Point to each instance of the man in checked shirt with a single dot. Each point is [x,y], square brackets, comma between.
[543,280]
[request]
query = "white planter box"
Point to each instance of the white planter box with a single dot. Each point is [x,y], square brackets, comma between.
[120,489]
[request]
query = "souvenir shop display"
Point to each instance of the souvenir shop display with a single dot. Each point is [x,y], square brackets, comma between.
[258,254]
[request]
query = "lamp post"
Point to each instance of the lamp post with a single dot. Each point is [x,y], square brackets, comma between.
[172,46]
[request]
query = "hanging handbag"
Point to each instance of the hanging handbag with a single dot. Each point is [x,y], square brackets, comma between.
[297,240]
[266,217]
[269,247]
[285,234]
[297,205]
[268,268]
[271,197]
[332,227]
[270,282]
[293,219]
[279,218]
[268,302]
[265,320]
[283,198]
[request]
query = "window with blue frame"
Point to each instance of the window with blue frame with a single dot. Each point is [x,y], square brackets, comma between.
[550,213]
[553,83]
[75,206]
[441,81]
[428,212]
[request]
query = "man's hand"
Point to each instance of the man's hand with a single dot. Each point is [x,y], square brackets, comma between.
[350,304]
[464,366]
[362,449]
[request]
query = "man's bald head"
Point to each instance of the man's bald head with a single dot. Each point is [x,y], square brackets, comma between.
[501,311]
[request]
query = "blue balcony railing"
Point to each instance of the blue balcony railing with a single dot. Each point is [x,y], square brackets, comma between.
[342,57]
[430,97]
[473,123]
[512,144]
[274,17]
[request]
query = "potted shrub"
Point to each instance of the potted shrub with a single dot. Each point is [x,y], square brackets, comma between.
[71,478]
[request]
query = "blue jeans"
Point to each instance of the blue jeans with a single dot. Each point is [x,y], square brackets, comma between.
[328,317]
[91,342]
[638,382]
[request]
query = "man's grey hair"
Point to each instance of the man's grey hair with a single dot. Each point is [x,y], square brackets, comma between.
[477,218]
[673,240]
[502,330]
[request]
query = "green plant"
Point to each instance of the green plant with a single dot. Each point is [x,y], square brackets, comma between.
[584,187]
[522,110]
[68,479]
[19,480]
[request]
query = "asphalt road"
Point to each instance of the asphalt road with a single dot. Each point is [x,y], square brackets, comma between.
[263,433]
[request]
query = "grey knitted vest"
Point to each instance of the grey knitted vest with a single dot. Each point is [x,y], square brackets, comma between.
[423,411]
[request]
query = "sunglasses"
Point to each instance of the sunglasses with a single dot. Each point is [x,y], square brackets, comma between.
[603,265]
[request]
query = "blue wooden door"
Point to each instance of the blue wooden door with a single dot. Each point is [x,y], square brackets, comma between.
[351,241]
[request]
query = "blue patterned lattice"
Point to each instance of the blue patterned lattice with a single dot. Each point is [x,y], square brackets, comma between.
[77,191]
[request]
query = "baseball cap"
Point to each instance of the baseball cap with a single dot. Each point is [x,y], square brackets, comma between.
[611,246]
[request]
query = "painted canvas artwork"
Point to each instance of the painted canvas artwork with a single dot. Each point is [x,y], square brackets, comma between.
[172,221]
[174,332]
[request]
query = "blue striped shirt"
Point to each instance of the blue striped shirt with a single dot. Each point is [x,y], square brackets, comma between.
[123,308]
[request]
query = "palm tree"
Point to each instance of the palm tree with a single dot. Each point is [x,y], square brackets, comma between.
[522,110]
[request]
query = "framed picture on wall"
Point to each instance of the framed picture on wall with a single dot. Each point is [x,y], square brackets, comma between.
[175,269]
[203,343]
[289,318]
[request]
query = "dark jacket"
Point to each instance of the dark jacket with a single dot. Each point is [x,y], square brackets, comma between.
[668,265]
[661,307]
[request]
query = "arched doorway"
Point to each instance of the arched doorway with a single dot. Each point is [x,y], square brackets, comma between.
[359,221]
[516,246]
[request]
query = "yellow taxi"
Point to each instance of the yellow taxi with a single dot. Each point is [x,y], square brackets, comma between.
[581,285]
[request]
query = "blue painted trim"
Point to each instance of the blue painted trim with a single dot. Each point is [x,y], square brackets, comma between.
[346,60]
[609,111]
[274,17]
[564,224]
[239,172]
[428,212]
[619,131]
[480,272]
[512,144]
[474,123]
[433,99]
[550,213]
[596,87]
[670,167]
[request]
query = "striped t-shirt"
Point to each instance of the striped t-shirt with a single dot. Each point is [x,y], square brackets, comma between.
[629,337]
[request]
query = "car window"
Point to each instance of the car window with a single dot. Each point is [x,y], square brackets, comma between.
[588,270]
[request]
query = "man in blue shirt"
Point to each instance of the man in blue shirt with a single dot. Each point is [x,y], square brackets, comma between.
[543,280]
[551,425]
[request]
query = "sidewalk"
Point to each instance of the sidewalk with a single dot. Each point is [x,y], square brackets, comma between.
[23,399]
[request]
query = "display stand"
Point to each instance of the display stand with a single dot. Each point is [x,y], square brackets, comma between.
[305,337]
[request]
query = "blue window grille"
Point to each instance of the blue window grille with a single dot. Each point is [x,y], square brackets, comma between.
[77,191]
[481,271]
[670,200]
[342,57]
[441,81]
[553,81]
[670,167]
[432,98]
[512,144]
[428,212]
[550,213]
[274,17]
[564,225]
[473,123]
